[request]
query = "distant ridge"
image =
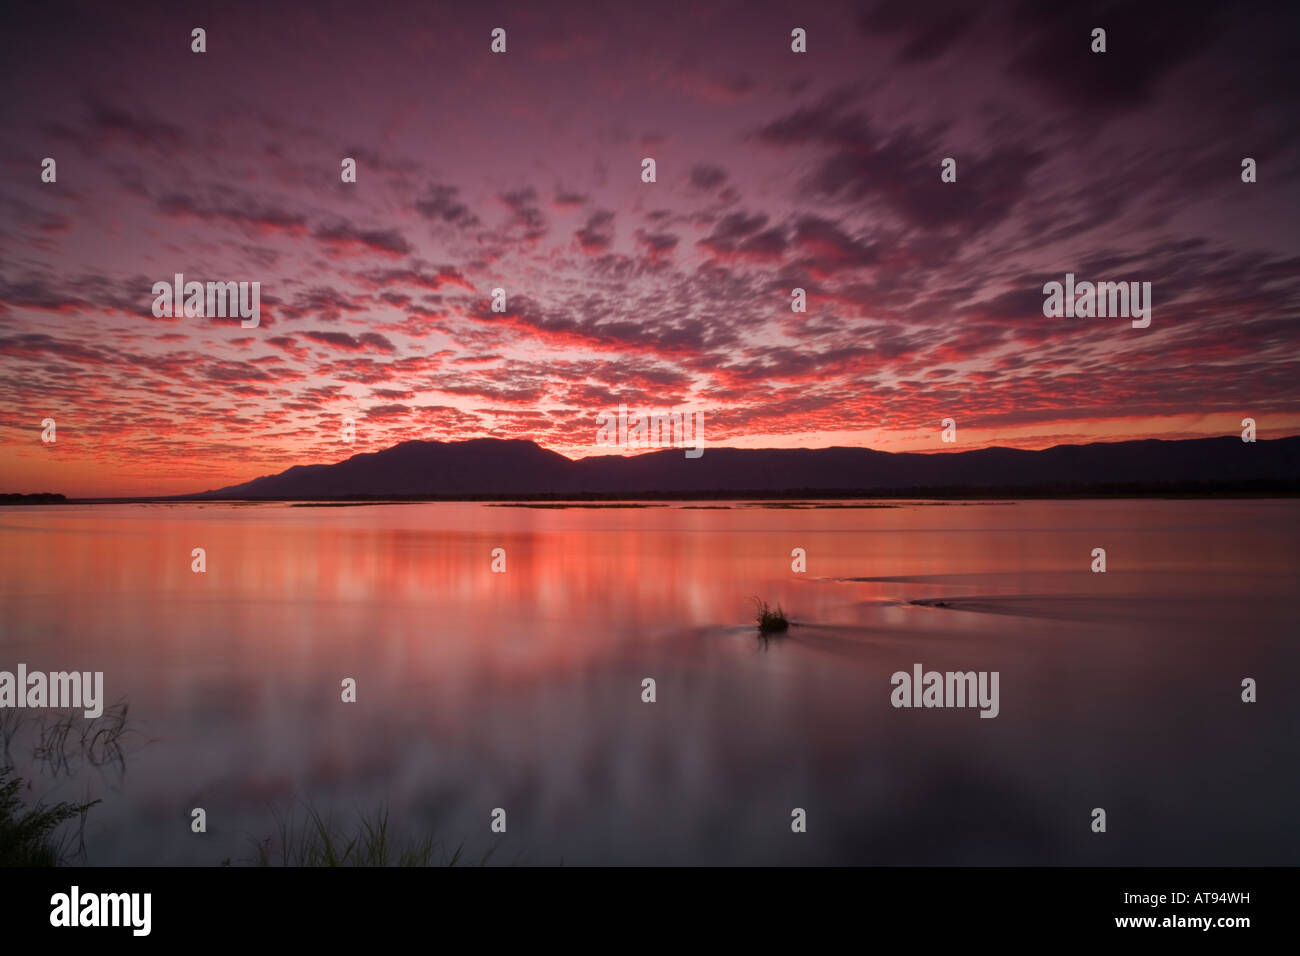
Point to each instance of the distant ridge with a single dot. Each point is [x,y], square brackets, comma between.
[495,468]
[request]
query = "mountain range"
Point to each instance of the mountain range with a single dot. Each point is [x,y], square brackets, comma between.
[496,468]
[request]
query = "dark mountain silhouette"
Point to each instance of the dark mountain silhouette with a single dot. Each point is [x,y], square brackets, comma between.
[485,467]
[40,498]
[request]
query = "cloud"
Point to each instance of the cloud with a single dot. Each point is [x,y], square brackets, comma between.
[526,216]
[657,243]
[367,341]
[417,278]
[741,235]
[598,234]
[927,31]
[234,206]
[565,199]
[901,169]
[706,177]
[826,248]
[1146,42]
[107,125]
[440,204]
[388,241]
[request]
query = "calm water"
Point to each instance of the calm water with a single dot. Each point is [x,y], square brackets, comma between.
[522,690]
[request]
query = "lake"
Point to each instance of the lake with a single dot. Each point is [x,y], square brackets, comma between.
[478,690]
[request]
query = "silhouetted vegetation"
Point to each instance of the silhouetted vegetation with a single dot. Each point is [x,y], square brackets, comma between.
[769,621]
[63,740]
[27,836]
[318,842]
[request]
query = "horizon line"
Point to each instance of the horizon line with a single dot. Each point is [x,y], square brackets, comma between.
[704,493]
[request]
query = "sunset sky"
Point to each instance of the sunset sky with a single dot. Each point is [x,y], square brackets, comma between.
[522,170]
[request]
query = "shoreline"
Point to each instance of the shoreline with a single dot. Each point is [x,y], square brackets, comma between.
[1193,491]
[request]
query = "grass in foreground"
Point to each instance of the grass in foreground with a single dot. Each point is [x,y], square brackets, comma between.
[318,842]
[27,836]
[769,621]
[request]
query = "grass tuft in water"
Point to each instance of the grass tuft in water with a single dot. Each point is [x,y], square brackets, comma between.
[769,621]
[96,740]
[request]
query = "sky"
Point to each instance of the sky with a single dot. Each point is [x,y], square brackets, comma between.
[522,170]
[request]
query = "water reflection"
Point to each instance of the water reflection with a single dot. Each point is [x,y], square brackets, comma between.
[522,690]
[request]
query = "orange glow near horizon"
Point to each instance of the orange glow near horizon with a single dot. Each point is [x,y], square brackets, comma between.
[72,468]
